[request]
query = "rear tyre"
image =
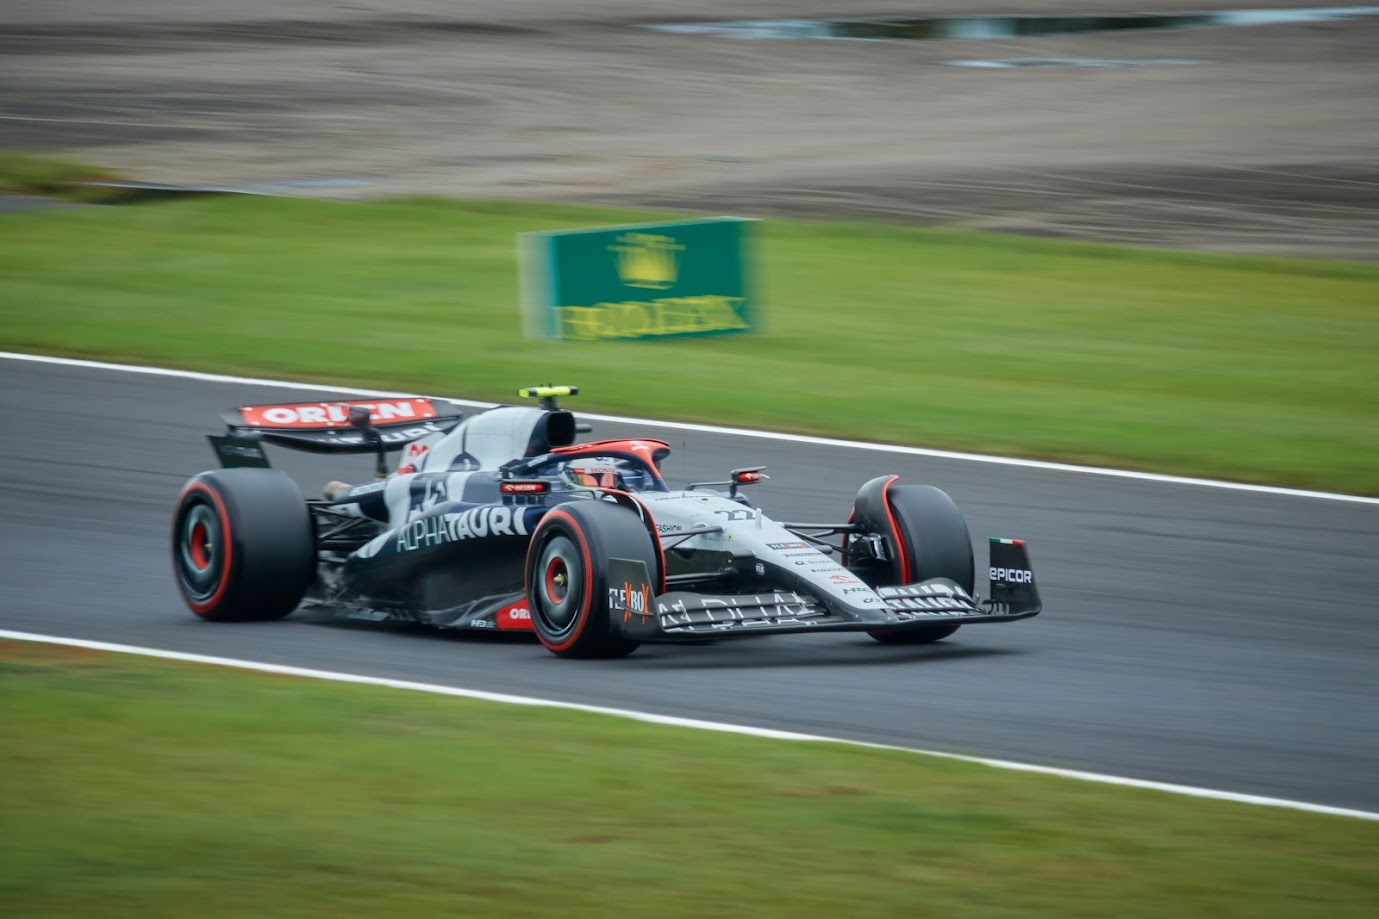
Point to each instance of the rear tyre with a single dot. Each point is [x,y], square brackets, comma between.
[243,545]
[567,576]
[927,537]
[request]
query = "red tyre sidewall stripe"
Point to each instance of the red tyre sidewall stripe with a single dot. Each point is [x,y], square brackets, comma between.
[901,549]
[209,605]
[650,522]
[582,617]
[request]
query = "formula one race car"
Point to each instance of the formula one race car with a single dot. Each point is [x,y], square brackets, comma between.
[500,521]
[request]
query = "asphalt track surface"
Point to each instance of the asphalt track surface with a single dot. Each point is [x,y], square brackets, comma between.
[1192,635]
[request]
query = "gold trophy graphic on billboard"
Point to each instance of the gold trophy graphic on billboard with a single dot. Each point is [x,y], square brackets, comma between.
[647,260]
[644,281]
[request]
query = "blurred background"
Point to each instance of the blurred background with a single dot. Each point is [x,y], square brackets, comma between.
[1233,138]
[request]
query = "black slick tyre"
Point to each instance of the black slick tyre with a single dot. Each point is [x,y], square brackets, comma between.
[567,576]
[928,538]
[243,545]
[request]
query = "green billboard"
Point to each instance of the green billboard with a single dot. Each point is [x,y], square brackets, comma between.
[648,280]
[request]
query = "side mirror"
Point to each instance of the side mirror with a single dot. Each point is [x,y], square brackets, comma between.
[752,475]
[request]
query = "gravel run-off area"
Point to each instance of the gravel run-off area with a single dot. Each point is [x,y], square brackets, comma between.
[1260,139]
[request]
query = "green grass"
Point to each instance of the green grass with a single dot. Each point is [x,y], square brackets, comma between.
[1255,369]
[149,788]
[36,174]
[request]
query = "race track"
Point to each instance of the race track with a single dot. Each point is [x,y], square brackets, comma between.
[1192,635]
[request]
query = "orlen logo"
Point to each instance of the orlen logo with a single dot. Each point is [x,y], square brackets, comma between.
[334,414]
[1012,575]
[516,617]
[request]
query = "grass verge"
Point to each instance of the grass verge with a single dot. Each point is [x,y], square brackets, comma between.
[1244,368]
[152,788]
[36,174]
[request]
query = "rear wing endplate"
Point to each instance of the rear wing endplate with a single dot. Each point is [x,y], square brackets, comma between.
[236,451]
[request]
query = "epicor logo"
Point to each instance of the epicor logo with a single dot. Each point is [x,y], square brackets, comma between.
[1012,575]
[647,260]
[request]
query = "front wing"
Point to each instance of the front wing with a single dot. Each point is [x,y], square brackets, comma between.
[641,615]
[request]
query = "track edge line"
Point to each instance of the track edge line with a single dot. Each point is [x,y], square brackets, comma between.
[675,721]
[1046,465]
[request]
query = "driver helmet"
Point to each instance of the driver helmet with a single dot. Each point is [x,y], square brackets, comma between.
[591,473]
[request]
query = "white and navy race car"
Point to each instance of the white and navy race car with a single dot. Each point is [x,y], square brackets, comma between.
[502,522]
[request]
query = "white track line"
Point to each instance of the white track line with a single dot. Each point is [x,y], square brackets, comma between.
[696,724]
[719,429]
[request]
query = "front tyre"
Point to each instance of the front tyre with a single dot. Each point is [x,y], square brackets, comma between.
[926,537]
[567,576]
[243,545]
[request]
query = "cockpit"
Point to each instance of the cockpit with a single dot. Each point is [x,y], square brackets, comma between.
[624,473]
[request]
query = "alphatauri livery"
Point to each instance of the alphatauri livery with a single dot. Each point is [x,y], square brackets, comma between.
[501,522]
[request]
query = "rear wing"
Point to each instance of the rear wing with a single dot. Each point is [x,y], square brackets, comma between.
[330,427]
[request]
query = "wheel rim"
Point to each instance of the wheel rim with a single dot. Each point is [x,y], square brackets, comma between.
[199,550]
[561,587]
[557,579]
[200,547]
